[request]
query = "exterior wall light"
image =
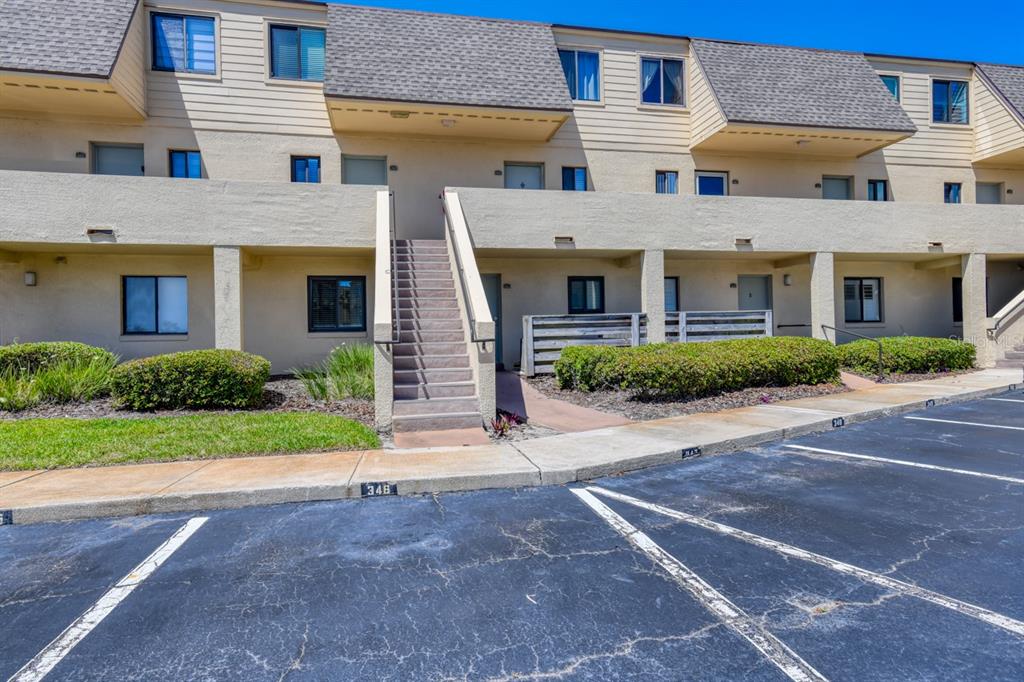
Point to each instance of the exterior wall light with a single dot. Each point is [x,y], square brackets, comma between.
[30,279]
[735,181]
[498,172]
[787,280]
[1009,191]
[79,155]
[393,167]
[817,185]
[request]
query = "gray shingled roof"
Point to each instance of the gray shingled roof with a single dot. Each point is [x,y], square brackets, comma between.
[399,55]
[75,37]
[1009,80]
[796,86]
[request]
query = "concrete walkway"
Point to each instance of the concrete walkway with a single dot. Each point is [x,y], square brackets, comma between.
[35,496]
[517,396]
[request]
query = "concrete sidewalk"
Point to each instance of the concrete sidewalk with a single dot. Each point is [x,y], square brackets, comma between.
[36,496]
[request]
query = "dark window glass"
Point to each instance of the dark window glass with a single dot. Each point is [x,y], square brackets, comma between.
[337,304]
[958,299]
[949,102]
[862,299]
[878,190]
[582,74]
[305,169]
[186,164]
[154,305]
[672,294]
[574,179]
[666,182]
[183,43]
[586,295]
[661,81]
[893,83]
[951,192]
[711,184]
[297,53]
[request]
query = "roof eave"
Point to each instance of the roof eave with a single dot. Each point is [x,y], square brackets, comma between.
[475,105]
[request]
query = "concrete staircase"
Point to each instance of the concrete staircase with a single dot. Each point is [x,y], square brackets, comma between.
[1012,358]
[434,387]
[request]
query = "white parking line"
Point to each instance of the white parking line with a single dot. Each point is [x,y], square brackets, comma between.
[899,586]
[1007,400]
[51,655]
[768,644]
[919,465]
[953,421]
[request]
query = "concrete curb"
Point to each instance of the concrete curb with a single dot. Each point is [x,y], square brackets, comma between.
[520,468]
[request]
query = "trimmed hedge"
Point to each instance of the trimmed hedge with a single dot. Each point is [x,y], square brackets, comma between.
[29,358]
[907,355]
[198,379]
[687,370]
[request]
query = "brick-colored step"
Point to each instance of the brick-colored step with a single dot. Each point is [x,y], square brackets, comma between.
[427,336]
[1014,355]
[429,303]
[422,266]
[410,323]
[405,314]
[430,348]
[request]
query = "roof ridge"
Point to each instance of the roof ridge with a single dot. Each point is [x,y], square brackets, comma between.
[431,13]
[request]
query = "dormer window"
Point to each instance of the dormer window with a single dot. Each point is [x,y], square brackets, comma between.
[893,84]
[297,53]
[661,81]
[582,74]
[949,101]
[184,43]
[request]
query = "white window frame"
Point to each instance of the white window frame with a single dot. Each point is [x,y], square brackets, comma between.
[184,75]
[575,47]
[714,174]
[970,102]
[899,77]
[641,104]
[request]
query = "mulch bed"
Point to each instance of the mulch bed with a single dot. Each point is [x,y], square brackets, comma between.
[909,378]
[622,403]
[279,395]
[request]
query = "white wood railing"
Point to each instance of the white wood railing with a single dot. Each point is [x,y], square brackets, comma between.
[544,336]
[723,325]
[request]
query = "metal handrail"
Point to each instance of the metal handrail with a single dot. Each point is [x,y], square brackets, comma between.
[881,362]
[449,226]
[396,322]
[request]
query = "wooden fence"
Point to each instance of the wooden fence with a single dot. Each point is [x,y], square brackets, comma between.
[544,336]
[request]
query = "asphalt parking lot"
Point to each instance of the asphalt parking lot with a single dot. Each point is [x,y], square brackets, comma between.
[892,549]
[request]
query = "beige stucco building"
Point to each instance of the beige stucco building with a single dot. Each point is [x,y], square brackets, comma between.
[186,174]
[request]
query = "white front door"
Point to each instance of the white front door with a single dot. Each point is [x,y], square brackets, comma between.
[524,176]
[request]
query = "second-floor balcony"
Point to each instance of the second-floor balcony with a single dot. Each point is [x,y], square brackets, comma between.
[79,209]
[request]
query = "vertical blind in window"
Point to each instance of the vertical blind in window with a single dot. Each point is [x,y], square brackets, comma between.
[666,182]
[184,43]
[305,169]
[297,53]
[661,81]
[878,190]
[186,164]
[949,102]
[582,74]
[863,299]
[155,305]
[586,295]
[337,304]
[951,192]
[574,179]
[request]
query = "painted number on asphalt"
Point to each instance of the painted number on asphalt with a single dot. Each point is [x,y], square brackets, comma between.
[379,489]
[6,517]
[929,403]
[838,422]
[691,452]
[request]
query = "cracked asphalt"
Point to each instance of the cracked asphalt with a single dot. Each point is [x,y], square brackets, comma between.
[533,584]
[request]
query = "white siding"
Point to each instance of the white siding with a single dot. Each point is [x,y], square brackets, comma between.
[129,76]
[619,122]
[997,130]
[707,117]
[241,97]
[935,143]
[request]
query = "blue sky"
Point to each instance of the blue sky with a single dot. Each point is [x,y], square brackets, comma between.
[967,30]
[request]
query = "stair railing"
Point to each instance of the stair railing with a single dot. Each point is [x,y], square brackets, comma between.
[477,308]
[881,361]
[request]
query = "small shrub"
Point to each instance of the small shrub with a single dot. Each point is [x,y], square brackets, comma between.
[907,355]
[76,380]
[27,358]
[503,424]
[197,379]
[687,370]
[18,391]
[347,372]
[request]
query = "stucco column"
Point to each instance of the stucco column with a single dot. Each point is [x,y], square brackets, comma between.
[652,293]
[823,292]
[973,269]
[227,297]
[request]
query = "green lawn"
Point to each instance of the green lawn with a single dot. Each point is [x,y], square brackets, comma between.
[53,443]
